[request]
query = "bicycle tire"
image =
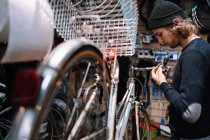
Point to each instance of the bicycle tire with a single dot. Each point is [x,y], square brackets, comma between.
[143,125]
[59,94]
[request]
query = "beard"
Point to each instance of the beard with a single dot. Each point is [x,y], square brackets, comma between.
[173,44]
[173,47]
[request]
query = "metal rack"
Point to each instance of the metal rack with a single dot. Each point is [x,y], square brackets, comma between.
[108,23]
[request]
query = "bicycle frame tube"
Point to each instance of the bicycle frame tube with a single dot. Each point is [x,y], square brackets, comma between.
[113,100]
[122,122]
[111,114]
[137,119]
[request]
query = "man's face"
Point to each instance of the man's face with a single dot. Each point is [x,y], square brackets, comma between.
[165,37]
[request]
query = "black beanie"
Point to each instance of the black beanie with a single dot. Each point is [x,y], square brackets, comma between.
[163,14]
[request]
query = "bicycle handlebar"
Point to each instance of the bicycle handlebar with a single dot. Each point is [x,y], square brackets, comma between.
[165,68]
[142,69]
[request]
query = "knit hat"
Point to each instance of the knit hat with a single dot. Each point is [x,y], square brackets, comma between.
[163,14]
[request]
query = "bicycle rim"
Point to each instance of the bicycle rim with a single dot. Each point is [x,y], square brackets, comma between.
[79,106]
[144,124]
[138,125]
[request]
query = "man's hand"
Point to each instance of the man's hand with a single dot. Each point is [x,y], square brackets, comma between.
[157,75]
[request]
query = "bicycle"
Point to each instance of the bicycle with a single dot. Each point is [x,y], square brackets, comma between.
[66,111]
[72,88]
[83,63]
[23,44]
[133,120]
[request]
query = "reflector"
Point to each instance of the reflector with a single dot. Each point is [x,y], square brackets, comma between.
[111,54]
[25,88]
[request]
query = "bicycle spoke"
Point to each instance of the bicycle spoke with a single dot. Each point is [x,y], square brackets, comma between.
[84,79]
[80,120]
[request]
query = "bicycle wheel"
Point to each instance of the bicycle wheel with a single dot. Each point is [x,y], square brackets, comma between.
[138,127]
[73,100]
[80,103]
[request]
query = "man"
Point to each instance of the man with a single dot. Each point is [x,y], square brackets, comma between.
[189,95]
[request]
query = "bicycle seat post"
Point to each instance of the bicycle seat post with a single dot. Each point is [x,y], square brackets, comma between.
[131,74]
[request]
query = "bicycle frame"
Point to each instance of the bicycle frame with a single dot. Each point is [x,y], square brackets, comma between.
[125,106]
[113,99]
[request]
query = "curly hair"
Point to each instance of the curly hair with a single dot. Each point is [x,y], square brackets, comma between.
[183,27]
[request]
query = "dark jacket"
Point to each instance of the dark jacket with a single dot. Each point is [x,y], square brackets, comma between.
[189,96]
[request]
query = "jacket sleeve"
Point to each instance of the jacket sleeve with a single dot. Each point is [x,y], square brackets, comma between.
[188,100]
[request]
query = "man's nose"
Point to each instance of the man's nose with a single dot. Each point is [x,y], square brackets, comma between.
[160,40]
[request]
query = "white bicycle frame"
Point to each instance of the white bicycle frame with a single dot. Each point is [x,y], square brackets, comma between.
[125,106]
[113,99]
